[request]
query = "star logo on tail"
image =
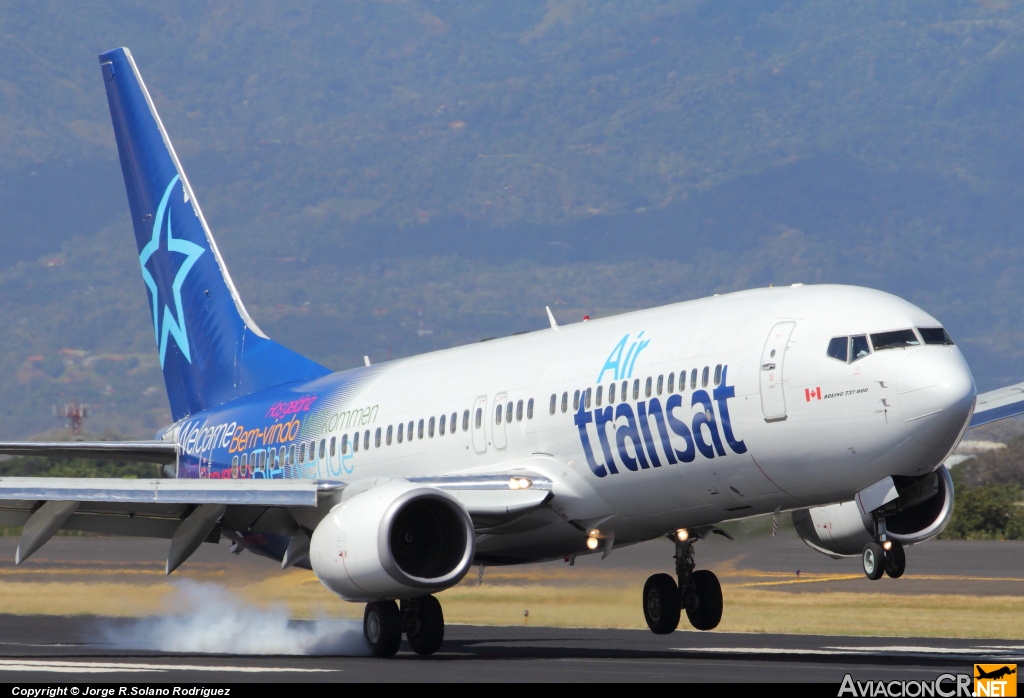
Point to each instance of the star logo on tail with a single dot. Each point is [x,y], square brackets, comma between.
[158,259]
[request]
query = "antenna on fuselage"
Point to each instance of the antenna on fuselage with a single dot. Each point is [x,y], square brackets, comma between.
[551,318]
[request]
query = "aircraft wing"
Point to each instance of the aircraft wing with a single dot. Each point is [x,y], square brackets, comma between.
[998,404]
[190,511]
[136,451]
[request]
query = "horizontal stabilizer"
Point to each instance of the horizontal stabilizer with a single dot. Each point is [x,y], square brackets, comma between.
[267,493]
[137,451]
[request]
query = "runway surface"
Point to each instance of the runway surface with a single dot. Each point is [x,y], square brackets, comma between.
[74,648]
[59,650]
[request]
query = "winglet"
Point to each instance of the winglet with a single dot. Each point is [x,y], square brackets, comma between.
[551,318]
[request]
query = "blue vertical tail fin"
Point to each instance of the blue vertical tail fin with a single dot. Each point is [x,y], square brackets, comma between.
[211,351]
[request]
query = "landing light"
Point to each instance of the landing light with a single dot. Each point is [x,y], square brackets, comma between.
[887,545]
[592,543]
[520,483]
[682,535]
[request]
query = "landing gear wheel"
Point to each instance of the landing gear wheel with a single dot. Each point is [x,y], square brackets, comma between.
[424,624]
[895,560]
[704,609]
[873,560]
[382,627]
[661,604]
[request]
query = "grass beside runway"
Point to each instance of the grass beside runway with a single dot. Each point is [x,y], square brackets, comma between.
[554,596]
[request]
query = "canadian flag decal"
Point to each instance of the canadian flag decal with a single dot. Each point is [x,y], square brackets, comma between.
[812,393]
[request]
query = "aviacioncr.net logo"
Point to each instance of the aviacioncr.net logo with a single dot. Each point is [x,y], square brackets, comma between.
[945,686]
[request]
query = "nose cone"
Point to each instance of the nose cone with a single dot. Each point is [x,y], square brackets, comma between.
[936,394]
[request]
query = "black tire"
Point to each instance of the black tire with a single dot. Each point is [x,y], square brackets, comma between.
[424,624]
[705,612]
[382,628]
[873,560]
[895,560]
[661,604]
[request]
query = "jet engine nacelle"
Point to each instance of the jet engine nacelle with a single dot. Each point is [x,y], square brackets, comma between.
[921,511]
[392,541]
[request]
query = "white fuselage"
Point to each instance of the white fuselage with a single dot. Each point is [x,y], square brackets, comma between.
[779,423]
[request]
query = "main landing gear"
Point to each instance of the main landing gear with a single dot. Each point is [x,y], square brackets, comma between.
[697,591]
[421,619]
[884,555]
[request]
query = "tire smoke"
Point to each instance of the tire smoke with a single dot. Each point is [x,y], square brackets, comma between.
[208,618]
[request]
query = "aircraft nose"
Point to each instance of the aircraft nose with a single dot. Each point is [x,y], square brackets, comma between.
[936,394]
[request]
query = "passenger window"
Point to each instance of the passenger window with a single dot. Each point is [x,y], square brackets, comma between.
[366,439]
[671,383]
[600,389]
[900,339]
[611,394]
[586,398]
[454,422]
[323,448]
[935,335]
[400,430]
[419,430]
[508,412]
[624,391]
[837,348]
[465,420]
[312,449]
[554,399]
[519,411]
[718,374]
[234,463]
[355,443]
[576,400]
[479,416]
[291,454]
[565,402]
[334,441]
[440,426]
[408,431]
[302,453]
[529,409]
[859,347]
[430,427]
[636,389]
[661,384]
[376,438]
[387,438]
[283,455]
[693,379]
[497,414]
[648,386]
[344,445]
[704,377]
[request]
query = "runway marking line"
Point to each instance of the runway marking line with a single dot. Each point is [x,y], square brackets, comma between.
[66,667]
[847,577]
[830,651]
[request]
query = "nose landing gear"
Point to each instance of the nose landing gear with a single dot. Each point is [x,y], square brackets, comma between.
[884,555]
[697,591]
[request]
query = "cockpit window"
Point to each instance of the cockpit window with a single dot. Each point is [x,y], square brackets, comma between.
[935,335]
[859,347]
[837,348]
[899,339]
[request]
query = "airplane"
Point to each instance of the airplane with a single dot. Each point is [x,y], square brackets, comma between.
[390,481]
[995,673]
